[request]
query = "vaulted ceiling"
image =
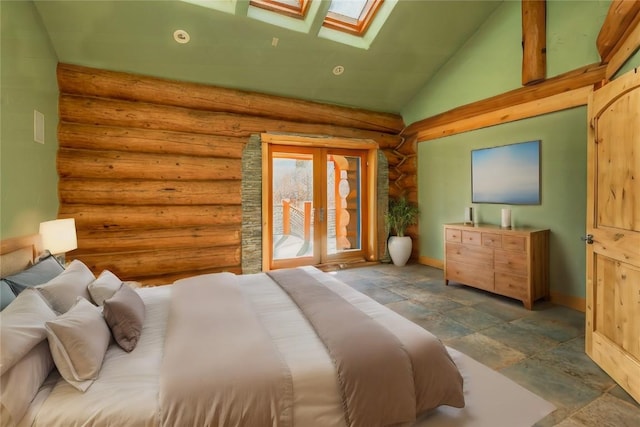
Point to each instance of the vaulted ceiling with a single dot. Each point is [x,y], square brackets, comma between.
[231,49]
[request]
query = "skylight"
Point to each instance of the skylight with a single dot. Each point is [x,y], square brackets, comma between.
[293,8]
[351,16]
[349,8]
[352,22]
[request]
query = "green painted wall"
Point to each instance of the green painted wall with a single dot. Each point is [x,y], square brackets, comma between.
[444,176]
[28,178]
[490,64]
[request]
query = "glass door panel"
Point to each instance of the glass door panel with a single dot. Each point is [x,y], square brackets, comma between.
[317,205]
[292,218]
[344,202]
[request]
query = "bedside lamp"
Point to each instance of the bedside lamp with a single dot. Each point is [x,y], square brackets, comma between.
[59,237]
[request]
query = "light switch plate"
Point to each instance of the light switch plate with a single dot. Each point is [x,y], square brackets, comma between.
[38,126]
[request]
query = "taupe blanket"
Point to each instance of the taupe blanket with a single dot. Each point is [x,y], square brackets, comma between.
[383,381]
[220,367]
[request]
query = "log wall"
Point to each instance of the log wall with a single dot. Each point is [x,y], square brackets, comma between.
[151,169]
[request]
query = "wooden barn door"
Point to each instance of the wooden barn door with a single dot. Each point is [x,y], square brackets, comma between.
[613,231]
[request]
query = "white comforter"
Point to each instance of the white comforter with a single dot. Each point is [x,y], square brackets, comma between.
[126,391]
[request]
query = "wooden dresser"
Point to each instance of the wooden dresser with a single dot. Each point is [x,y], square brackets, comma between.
[509,262]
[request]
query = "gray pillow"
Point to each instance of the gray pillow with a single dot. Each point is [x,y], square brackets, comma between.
[63,290]
[6,294]
[41,272]
[124,313]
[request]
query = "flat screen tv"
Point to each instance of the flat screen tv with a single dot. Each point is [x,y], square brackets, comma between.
[508,174]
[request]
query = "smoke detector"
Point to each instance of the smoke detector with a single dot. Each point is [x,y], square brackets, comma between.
[181,36]
[338,69]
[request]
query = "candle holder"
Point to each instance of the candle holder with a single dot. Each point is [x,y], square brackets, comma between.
[506,218]
[468,215]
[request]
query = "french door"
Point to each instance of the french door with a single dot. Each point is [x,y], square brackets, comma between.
[316,205]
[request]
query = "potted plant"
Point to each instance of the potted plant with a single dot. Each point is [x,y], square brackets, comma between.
[401,214]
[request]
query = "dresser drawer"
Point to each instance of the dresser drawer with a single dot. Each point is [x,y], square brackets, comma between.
[469,275]
[490,240]
[510,262]
[452,235]
[471,255]
[471,238]
[512,286]
[514,243]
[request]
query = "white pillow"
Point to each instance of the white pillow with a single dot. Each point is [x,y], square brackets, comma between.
[22,327]
[104,287]
[78,341]
[20,384]
[62,291]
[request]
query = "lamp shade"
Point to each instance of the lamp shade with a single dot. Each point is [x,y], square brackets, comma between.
[59,235]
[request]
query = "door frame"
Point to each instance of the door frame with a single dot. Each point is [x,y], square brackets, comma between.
[369,185]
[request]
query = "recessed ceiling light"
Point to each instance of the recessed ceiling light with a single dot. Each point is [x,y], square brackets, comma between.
[181,36]
[338,69]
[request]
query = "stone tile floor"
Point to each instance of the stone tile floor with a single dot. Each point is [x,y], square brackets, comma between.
[542,349]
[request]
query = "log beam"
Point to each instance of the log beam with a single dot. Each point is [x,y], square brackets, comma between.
[91,137]
[394,174]
[550,104]
[534,41]
[409,165]
[619,20]
[128,165]
[625,48]
[124,217]
[409,146]
[393,158]
[128,265]
[128,240]
[74,79]
[529,96]
[106,112]
[148,192]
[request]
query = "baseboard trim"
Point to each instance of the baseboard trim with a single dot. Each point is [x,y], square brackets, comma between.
[432,262]
[570,301]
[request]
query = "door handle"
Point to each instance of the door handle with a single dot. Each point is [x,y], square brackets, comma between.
[588,239]
[321,214]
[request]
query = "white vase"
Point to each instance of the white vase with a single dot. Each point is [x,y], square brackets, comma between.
[399,249]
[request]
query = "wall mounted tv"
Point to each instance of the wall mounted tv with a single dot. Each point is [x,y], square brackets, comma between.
[508,174]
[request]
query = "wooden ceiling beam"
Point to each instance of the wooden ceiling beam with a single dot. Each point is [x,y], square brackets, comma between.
[526,96]
[534,41]
[625,48]
[617,25]
[550,104]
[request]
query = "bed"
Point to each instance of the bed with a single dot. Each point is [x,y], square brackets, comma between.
[295,347]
